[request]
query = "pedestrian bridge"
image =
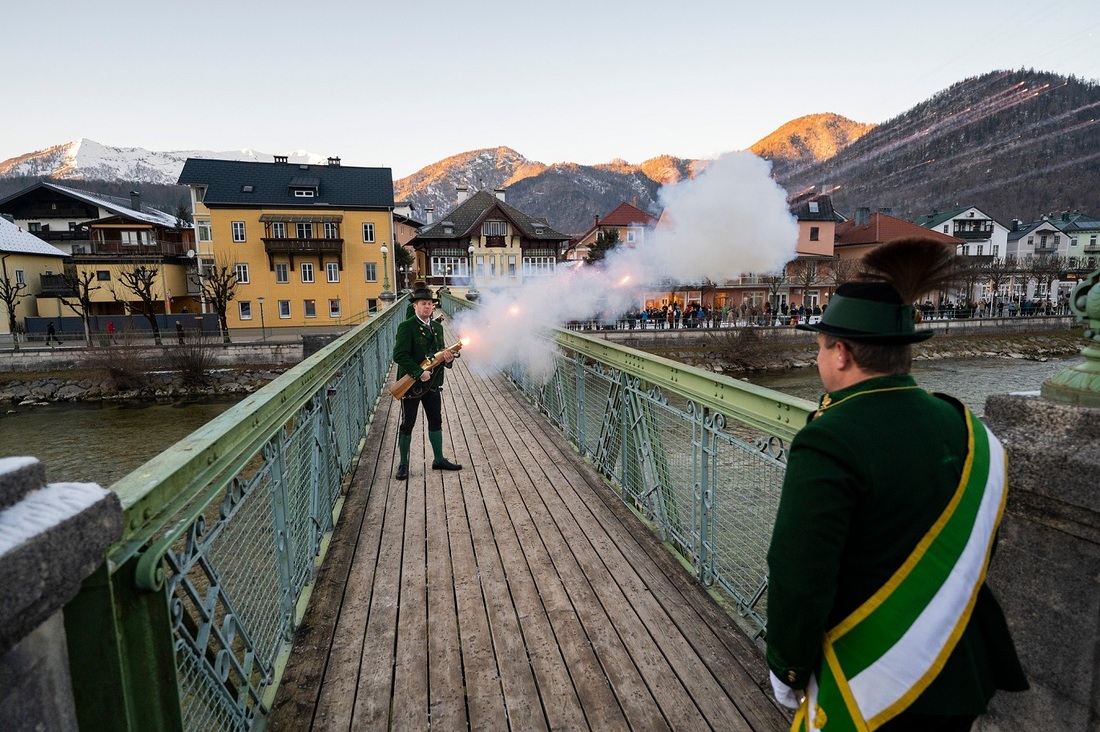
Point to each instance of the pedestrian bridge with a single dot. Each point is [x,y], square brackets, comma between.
[598,564]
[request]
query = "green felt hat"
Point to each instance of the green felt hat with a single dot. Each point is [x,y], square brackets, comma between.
[869,312]
[421,293]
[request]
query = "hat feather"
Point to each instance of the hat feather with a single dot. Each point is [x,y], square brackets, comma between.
[914,266]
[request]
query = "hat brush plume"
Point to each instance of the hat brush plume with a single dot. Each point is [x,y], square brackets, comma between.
[913,266]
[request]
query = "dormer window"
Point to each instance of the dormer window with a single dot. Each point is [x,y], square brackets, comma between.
[494,228]
[304,193]
[814,208]
[304,186]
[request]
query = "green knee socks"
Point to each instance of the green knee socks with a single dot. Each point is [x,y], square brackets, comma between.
[403,443]
[436,438]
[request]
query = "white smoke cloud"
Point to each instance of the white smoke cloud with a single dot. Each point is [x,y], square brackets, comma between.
[730,219]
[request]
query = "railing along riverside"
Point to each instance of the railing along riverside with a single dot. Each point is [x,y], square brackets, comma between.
[188,624]
[700,456]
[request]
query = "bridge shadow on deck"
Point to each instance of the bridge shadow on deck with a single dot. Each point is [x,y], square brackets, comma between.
[519,593]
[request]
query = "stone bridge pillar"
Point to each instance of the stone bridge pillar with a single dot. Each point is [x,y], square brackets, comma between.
[51,538]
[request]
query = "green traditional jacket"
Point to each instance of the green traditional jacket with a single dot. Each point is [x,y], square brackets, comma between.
[416,341]
[866,478]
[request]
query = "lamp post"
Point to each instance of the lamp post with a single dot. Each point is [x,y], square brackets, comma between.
[263,327]
[404,270]
[472,294]
[386,295]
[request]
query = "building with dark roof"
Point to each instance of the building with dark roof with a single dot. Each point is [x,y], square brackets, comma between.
[629,222]
[109,239]
[506,245]
[313,241]
[982,235]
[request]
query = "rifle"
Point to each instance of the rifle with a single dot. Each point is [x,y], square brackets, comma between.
[406,382]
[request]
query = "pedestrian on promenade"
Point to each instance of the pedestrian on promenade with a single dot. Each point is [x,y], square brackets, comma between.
[51,334]
[420,337]
[878,613]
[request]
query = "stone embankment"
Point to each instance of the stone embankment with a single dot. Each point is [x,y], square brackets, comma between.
[27,389]
[736,354]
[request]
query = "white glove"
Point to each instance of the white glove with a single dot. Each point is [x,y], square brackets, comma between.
[784,694]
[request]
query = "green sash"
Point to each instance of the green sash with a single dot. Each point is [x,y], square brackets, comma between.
[880,658]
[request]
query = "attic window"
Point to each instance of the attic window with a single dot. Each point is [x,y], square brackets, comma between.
[246,189]
[304,193]
[814,207]
[538,229]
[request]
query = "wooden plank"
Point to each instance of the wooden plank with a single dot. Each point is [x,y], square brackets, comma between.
[519,700]
[665,580]
[306,671]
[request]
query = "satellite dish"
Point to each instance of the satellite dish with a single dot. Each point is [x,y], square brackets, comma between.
[190,253]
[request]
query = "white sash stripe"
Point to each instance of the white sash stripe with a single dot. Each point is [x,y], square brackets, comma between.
[885,681]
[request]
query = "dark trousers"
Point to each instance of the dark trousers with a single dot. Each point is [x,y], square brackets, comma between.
[433,410]
[906,722]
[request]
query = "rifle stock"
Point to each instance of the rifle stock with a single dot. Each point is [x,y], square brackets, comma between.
[406,382]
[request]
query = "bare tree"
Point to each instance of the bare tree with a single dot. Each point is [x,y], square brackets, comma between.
[805,275]
[996,273]
[80,284]
[1045,268]
[139,280]
[218,282]
[843,270]
[775,283]
[11,292]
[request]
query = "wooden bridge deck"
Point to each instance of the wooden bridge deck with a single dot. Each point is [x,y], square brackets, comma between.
[519,593]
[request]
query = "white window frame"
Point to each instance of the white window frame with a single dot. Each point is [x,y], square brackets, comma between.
[303,230]
[331,230]
[241,268]
[332,271]
[512,266]
[368,232]
[203,230]
[278,229]
[20,277]
[450,266]
[239,232]
[282,273]
[334,307]
[304,193]
[284,309]
[538,266]
[309,308]
[306,271]
[370,271]
[244,309]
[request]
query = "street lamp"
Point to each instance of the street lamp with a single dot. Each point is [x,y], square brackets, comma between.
[386,295]
[263,327]
[404,270]
[472,294]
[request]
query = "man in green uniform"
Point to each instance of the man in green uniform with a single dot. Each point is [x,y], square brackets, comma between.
[420,337]
[878,613]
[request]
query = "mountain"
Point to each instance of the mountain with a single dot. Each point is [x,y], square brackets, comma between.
[1016,144]
[86,159]
[808,140]
[568,195]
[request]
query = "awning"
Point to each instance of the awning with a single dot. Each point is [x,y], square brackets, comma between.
[302,218]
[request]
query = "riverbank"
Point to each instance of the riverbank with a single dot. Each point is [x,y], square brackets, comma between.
[749,350]
[30,389]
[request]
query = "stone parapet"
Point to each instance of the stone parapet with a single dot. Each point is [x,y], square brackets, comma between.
[51,538]
[1046,570]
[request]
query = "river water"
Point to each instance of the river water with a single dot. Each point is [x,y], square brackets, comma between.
[969,380]
[101,442]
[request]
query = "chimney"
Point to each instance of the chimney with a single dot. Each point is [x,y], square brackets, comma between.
[863,216]
[334,162]
[463,193]
[499,193]
[596,222]
[280,159]
[429,213]
[135,200]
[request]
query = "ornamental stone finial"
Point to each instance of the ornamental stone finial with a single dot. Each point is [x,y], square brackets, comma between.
[1080,384]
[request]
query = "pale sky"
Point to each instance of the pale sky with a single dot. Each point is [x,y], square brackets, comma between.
[402,85]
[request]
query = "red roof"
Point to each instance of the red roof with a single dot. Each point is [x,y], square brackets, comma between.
[627,215]
[882,228]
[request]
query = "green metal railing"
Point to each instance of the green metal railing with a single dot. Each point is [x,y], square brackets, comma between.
[699,455]
[188,623]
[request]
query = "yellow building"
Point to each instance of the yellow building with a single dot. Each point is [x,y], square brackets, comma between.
[24,261]
[309,244]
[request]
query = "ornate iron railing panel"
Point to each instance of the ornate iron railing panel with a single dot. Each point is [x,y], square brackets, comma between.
[223,534]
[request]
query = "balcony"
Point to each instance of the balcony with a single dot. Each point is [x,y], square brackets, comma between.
[54,285]
[303,248]
[493,241]
[976,231]
[154,248]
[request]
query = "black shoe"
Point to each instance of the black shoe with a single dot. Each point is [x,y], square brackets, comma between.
[402,472]
[445,464]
